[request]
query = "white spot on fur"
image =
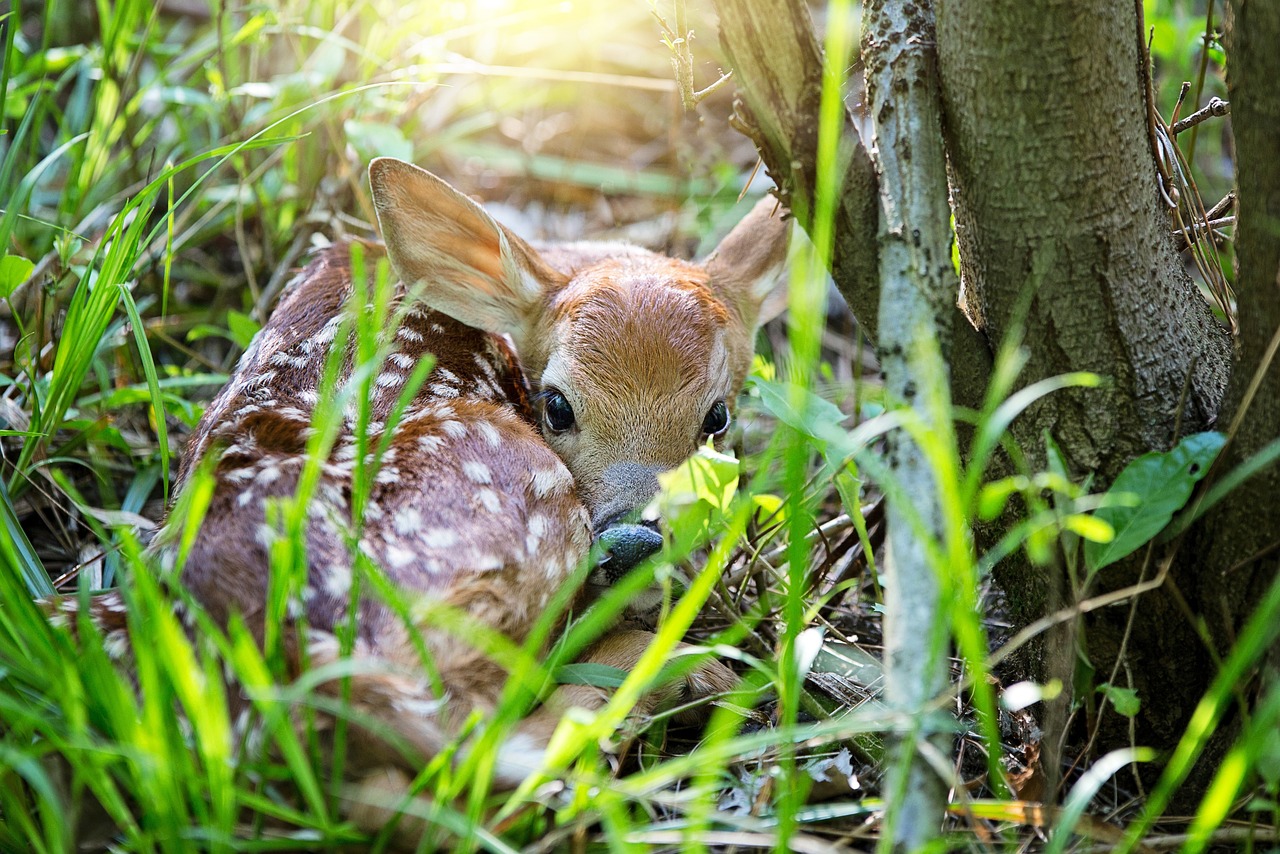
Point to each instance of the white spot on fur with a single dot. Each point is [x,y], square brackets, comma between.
[485,562]
[337,582]
[477,471]
[445,391]
[389,379]
[408,520]
[116,645]
[519,757]
[486,367]
[555,481]
[490,500]
[439,538]
[401,360]
[432,444]
[262,379]
[408,333]
[265,535]
[399,557]
[415,707]
[456,429]
[490,433]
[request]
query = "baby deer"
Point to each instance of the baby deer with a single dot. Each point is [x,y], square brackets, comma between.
[501,466]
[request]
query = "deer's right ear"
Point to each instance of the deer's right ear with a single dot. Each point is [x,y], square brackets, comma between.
[474,270]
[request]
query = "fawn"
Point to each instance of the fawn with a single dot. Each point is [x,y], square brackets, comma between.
[502,465]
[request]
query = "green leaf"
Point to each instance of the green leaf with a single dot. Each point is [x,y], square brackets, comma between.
[697,492]
[995,495]
[1089,528]
[708,476]
[1123,700]
[14,270]
[1158,484]
[805,412]
[771,510]
[242,328]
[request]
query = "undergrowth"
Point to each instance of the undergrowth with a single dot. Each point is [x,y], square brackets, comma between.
[164,173]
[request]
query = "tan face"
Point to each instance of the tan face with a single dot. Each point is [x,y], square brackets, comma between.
[636,358]
[642,365]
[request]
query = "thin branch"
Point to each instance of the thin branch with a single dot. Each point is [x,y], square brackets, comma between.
[1215,107]
[679,40]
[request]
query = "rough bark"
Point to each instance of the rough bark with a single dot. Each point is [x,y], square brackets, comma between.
[1240,544]
[1056,198]
[917,299]
[777,66]
[1055,191]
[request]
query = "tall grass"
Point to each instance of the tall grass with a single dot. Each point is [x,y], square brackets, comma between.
[161,176]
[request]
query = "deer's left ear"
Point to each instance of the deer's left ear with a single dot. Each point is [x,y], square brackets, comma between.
[747,266]
[474,269]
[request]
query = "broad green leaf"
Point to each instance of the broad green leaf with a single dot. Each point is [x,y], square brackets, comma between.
[1124,700]
[14,270]
[1161,483]
[708,476]
[697,492]
[809,414]
[242,328]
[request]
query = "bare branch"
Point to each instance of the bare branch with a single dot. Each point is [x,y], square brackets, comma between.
[1215,107]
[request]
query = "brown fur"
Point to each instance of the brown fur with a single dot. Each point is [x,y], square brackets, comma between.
[472,507]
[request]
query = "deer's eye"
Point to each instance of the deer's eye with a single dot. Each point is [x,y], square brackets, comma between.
[717,420]
[557,412]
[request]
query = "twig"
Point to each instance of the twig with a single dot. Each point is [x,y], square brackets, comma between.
[1182,96]
[679,40]
[1215,107]
[1198,228]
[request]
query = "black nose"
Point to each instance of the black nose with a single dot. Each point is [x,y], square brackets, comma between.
[625,546]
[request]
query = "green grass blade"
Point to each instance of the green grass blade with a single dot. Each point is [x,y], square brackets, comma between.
[18,551]
[153,385]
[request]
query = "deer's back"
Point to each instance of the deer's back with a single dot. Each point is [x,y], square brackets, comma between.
[468,506]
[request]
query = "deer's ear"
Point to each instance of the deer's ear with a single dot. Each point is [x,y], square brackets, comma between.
[747,265]
[473,269]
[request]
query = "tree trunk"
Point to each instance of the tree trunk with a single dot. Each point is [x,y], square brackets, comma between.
[1238,547]
[777,68]
[1056,199]
[1059,212]
[917,306]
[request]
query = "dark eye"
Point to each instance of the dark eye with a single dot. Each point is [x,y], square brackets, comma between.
[557,412]
[717,420]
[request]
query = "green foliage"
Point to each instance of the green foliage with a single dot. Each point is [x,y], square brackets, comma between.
[1147,493]
[1124,700]
[162,176]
